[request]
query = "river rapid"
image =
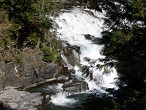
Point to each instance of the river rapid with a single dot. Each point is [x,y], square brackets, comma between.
[73,27]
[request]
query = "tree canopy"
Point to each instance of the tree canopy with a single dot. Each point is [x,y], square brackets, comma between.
[126,44]
[29,24]
[29,19]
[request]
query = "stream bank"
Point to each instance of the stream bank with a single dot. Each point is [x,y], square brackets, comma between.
[19,82]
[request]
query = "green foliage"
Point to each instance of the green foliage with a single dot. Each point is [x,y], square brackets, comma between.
[5,43]
[79,64]
[49,54]
[125,44]
[29,27]
[29,19]
[87,59]
[106,70]
[94,102]
[3,16]
[139,9]
[18,58]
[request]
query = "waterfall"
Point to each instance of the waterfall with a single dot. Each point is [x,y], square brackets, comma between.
[60,99]
[74,25]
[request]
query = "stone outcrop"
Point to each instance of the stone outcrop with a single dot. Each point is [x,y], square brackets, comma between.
[5,107]
[88,36]
[20,100]
[75,86]
[27,70]
[31,70]
[97,41]
[72,54]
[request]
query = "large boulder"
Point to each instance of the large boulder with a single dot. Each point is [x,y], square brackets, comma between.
[72,54]
[20,100]
[88,36]
[5,107]
[75,86]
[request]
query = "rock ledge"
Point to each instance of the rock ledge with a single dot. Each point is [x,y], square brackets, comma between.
[20,100]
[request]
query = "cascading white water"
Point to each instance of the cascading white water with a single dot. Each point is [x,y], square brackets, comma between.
[73,26]
[60,99]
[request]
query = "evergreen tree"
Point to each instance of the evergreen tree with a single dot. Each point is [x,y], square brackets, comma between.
[29,25]
[30,20]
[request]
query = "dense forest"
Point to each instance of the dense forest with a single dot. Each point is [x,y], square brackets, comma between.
[27,24]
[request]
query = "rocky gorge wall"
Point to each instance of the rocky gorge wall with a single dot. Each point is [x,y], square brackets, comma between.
[29,71]
[32,72]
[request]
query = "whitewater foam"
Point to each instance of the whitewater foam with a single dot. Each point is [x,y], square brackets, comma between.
[74,25]
[61,99]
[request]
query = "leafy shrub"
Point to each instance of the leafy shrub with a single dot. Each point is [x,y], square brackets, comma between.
[18,58]
[49,54]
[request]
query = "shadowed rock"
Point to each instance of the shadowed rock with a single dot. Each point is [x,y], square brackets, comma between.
[5,107]
[20,100]
[72,54]
[88,36]
[75,87]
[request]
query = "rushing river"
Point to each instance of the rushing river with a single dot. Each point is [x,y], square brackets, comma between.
[73,26]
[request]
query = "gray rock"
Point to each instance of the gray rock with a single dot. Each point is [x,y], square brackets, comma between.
[72,53]
[63,77]
[75,87]
[20,100]
[88,36]
[30,70]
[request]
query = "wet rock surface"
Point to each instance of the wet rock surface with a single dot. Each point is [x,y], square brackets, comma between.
[72,53]
[97,41]
[30,71]
[88,36]
[5,107]
[20,100]
[75,86]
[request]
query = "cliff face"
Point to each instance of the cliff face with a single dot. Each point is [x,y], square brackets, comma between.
[30,69]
